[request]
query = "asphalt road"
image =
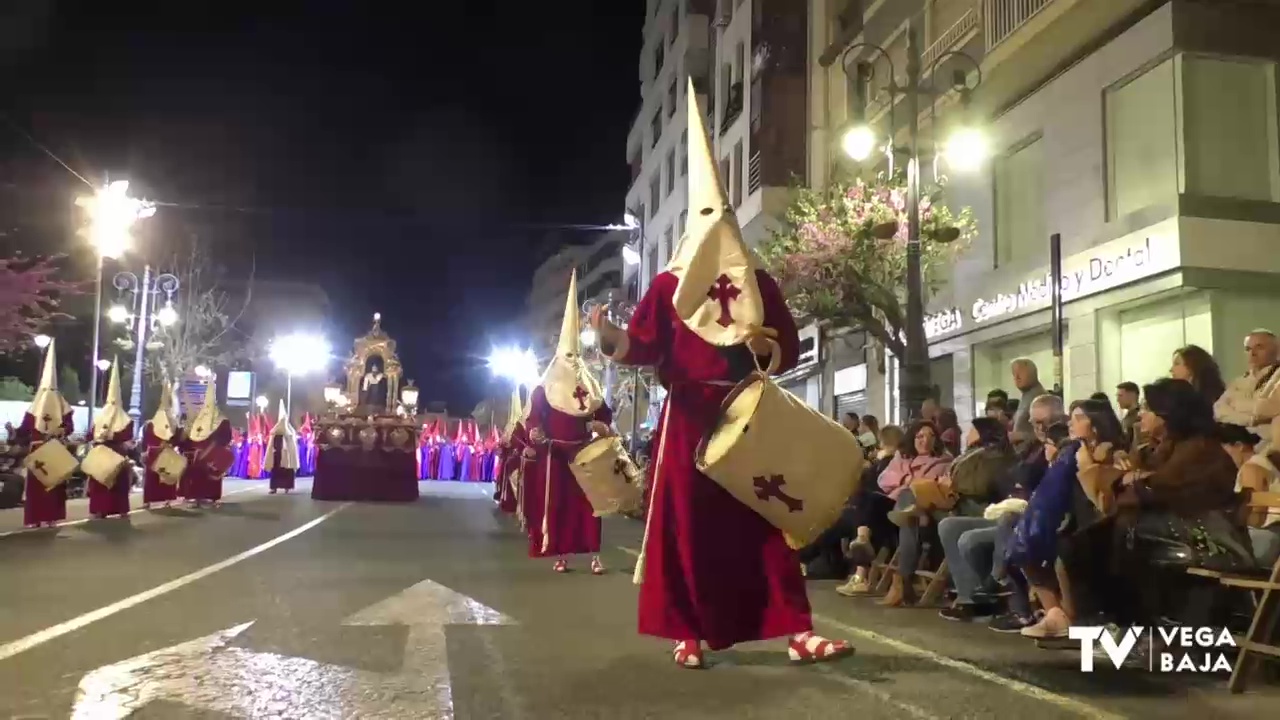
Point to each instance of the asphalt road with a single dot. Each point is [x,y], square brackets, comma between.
[278,606]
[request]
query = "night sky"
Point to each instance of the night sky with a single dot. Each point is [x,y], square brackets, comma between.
[406,156]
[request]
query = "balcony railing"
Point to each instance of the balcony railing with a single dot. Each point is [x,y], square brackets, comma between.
[952,38]
[753,173]
[1002,18]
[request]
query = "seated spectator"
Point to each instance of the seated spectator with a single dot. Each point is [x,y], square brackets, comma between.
[974,546]
[1175,504]
[1195,365]
[869,433]
[1258,473]
[966,489]
[949,430]
[871,514]
[1060,507]
[920,456]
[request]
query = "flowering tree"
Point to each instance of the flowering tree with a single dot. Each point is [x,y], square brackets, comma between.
[29,296]
[841,254]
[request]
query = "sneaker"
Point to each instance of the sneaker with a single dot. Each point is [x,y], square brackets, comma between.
[855,587]
[967,612]
[1010,623]
[1052,626]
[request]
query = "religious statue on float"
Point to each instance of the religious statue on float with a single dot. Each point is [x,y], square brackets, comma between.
[374,373]
[373,387]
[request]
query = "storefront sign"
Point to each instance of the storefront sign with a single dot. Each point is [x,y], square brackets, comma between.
[1109,266]
[943,323]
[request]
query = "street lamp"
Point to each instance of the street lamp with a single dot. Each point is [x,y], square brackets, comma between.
[42,341]
[409,396]
[963,151]
[518,366]
[143,295]
[112,215]
[299,354]
[261,401]
[202,372]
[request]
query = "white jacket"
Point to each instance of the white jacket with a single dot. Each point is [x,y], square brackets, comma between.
[1251,400]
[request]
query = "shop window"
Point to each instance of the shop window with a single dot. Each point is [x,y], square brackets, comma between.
[991,363]
[1229,153]
[1141,137]
[1149,334]
[1021,230]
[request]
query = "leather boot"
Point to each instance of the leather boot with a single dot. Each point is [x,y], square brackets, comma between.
[900,593]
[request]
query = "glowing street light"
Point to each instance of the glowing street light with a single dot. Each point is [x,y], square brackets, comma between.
[859,142]
[117,314]
[588,338]
[966,149]
[42,341]
[630,255]
[104,364]
[202,372]
[261,402]
[112,215]
[167,315]
[518,366]
[299,354]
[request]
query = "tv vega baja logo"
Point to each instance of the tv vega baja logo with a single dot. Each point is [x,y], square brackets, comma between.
[1172,649]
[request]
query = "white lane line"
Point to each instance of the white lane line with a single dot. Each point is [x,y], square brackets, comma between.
[1022,688]
[81,521]
[41,637]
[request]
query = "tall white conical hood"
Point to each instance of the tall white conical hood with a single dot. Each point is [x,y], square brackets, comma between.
[569,385]
[282,426]
[513,414]
[716,295]
[210,417]
[163,424]
[288,455]
[48,407]
[113,418]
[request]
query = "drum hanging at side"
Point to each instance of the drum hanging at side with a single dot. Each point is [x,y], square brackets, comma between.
[52,464]
[607,476]
[169,465]
[103,464]
[791,464]
[218,459]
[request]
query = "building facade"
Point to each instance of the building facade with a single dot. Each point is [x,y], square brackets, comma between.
[746,59]
[599,265]
[1144,134]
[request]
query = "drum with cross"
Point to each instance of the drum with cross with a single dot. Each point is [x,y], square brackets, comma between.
[788,462]
[608,477]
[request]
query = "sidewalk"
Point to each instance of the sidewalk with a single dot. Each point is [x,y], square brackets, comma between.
[78,508]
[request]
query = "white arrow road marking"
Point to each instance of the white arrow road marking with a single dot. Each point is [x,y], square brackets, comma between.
[209,674]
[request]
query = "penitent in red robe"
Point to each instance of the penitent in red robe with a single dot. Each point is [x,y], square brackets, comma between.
[42,505]
[714,570]
[560,519]
[202,480]
[509,458]
[154,491]
[114,500]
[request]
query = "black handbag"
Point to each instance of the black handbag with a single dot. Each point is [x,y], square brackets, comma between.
[1211,541]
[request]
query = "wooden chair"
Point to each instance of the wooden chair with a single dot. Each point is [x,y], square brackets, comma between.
[1261,638]
[884,570]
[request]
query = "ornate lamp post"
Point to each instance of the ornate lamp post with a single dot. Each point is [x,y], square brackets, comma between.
[964,150]
[142,295]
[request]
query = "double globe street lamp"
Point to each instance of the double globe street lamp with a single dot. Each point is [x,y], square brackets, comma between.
[964,151]
[143,319]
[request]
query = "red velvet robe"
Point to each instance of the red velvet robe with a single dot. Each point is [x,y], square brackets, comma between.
[281,477]
[104,501]
[200,481]
[41,505]
[557,504]
[714,570]
[154,491]
[512,452]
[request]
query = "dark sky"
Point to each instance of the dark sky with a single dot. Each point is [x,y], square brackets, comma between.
[402,154]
